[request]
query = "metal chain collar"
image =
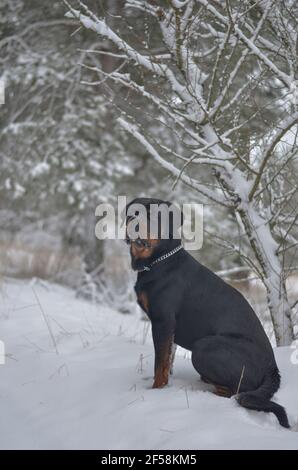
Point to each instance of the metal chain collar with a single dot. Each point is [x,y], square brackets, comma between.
[161,258]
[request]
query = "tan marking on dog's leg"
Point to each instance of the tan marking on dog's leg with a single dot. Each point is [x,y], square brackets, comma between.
[162,374]
[222,391]
[143,301]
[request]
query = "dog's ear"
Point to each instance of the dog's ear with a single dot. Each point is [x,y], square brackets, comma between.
[166,219]
[175,219]
[143,203]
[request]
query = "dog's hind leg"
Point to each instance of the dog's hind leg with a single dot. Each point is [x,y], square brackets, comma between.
[218,389]
[238,365]
[222,391]
[220,360]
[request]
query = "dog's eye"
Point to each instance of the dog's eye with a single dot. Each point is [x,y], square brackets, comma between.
[140,243]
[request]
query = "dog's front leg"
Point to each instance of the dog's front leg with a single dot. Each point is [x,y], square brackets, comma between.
[163,339]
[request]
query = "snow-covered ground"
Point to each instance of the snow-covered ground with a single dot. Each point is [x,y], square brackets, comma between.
[79,376]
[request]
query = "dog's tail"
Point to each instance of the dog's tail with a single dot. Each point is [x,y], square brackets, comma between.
[259,399]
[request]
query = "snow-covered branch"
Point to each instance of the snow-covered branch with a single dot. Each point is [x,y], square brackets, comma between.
[135,132]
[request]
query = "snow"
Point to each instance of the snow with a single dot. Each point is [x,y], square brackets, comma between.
[95,393]
[40,169]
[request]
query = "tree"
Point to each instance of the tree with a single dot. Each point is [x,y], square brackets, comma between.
[58,157]
[223,81]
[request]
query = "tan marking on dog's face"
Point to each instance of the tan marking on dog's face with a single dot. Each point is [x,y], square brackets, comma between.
[143,252]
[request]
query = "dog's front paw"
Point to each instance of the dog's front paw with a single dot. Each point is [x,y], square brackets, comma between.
[158,385]
[160,382]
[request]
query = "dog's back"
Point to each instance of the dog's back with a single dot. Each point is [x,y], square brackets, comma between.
[206,305]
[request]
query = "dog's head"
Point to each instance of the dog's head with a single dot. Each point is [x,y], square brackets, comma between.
[152,228]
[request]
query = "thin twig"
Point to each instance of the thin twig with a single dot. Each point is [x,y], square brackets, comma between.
[46,321]
[186,394]
[241,377]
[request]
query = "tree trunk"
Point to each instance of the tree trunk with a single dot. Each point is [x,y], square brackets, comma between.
[272,274]
[280,310]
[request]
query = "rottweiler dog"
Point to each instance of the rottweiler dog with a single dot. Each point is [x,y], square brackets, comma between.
[192,307]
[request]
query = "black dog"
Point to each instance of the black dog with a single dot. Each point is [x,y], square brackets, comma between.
[191,306]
